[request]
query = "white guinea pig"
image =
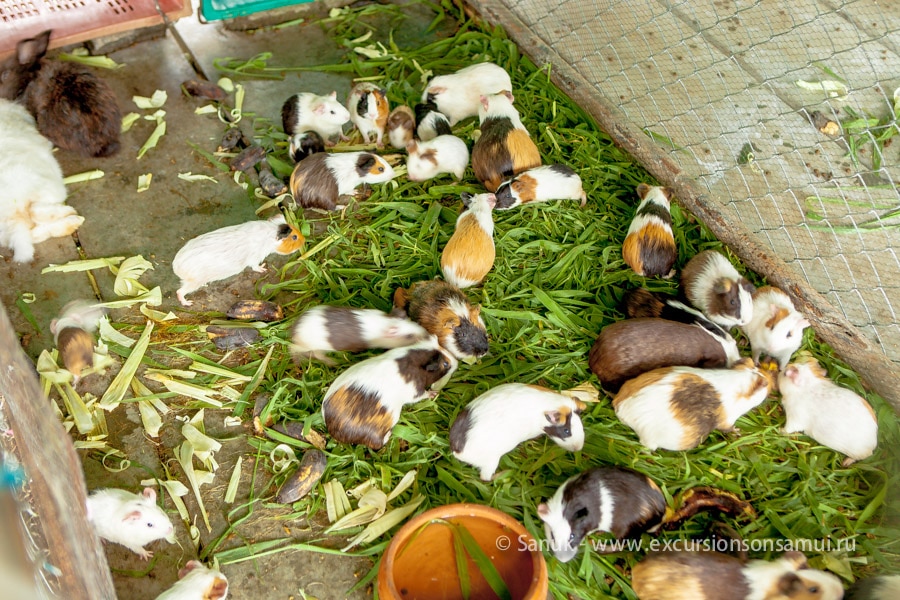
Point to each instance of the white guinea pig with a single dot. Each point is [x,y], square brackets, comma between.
[675,408]
[470,252]
[776,328]
[712,284]
[828,413]
[311,112]
[227,251]
[319,180]
[129,519]
[324,329]
[458,95]
[401,126]
[541,184]
[500,419]
[443,154]
[369,110]
[197,582]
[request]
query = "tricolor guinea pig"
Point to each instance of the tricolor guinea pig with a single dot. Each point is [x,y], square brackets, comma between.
[712,284]
[470,252]
[673,575]
[369,110]
[197,582]
[129,519]
[443,154]
[505,148]
[649,247]
[443,310]
[626,349]
[227,251]
[640,302]
[401,126]
[459,94]
[324,329]
[676,408]
[363,403]
[319,180]
[500,419]
[880,587]
[832,415]
[430,122]
[541,184]
[310,112]
[776,328]
[305,143]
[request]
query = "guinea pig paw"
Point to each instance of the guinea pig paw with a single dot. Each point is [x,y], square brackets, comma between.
[432,394]
[260,268]
[847,462]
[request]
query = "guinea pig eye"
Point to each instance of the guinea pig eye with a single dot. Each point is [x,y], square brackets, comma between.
[813,590]
[150,525]
[732,302]
[381,169]
[789,334]
[571,538]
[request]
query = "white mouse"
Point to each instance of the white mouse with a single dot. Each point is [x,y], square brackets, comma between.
[129,519]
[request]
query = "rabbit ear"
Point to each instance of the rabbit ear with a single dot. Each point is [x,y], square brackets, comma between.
[30,51]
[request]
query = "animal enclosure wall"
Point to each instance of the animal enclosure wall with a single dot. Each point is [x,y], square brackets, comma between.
[773,122]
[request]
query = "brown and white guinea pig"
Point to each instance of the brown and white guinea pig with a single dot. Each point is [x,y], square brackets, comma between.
[712,284]
[443,154]
[629,348]
[443,310]
[401,126]
[649,247]
[880,587]
[459,94]
[129,519]
[305,143]
[430,122]
[525,412]
[310,112]
[832,415]
[73,108]
[541,184]
[324,329]
[676,408]
[319,180]
[73,333]
[227,251]
[674,575]
[369,109]
[196,581]
[469,253]
[505,148]
[776,328]
[363,403]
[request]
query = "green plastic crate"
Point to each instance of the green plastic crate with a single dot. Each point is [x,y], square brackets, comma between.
[214,10]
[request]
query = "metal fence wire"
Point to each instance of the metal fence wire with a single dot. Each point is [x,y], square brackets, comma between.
[781,114]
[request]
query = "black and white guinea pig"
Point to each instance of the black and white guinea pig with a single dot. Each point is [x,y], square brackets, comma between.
[541,184]
[469,254]
[369,109]
[673,575]
[443,154]
[305,143]
[73,333]
[880,587]
[649,247]
[197,582]
[629,348]
[443,310]
[776,328]
[505,148]
[430,122]
[319,180]
[676,408]
[324,329]
[363,403]
[712,284]
[458,95]
[401,126]
[310,112]
[500,419]
[129,519]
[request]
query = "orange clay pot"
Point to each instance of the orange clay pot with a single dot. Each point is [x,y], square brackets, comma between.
[420,562]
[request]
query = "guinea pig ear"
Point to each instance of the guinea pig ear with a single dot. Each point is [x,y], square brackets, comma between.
[554,417]
[466,198]
[803,324]
[29,51]
[722,286]
[543,511]
[789,585]
[319,110]
[333,94]
[484,101]
[751,289]
[580,407]
[411,146]
[796,559]
[642,190]
[509,95]
[149,493]
[190,566]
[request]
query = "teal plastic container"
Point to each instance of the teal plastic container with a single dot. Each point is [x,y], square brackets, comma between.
[214,10]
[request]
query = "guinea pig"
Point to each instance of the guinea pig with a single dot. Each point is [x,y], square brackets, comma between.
[500,419]
[714,286]
[649,247]
[319,180]
[673,575]
[675,408]
[880,587]
[626,349]
[832,415]
[459,94]
[363,403]
[470,252]
[776,328]
[443,154]
[129,519]
[430,122]
[197,582]
[227,251]
[443,310]
[324,329]
[504,149]
[541,184]
[310,112]
[401,126]
[73,333]
[305,143]
[369,109]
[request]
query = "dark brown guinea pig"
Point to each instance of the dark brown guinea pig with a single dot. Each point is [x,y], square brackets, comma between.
[443,310]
